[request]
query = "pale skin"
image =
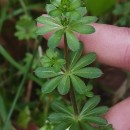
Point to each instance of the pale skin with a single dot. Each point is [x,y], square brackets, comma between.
[112,45]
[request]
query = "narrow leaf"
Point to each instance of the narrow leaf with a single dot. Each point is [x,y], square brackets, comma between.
[64,85]
[47,20]
[86,126]
[75,15]
[45,29]
[84,61]
[96,120]
[90,104]
[43,72]
[75,4]
[107,127]
[97,111]
[55,2]
[72,41]
[62,126]
[83,28]
[89,94]
[50,7]
[74,56]
[88,19]
[51,85]
[55,39]
[75,126]
[82,10]
[78,84]
[89,86]
[55,13]
[88,72]
[59,107]
[59,117]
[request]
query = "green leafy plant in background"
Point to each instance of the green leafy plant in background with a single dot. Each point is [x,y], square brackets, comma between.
[99,7]
[122,11]
[66,69]
[24,117]
[25,28]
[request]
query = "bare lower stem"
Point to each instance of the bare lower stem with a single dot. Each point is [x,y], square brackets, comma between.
[73,100]
[72,92]
[66,52]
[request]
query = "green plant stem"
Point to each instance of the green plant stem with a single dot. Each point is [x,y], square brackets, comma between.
[24,6]
[66,52]
[73,100]
[46,108]
[72,92]
[19,90]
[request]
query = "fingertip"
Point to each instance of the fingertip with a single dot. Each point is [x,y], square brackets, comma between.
[119,115]
[111,44]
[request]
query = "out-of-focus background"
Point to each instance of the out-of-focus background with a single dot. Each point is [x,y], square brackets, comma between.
[18,48]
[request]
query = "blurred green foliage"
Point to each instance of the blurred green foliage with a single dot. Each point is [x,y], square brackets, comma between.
[122,11]
[24,117]
[25,28]
[99,7]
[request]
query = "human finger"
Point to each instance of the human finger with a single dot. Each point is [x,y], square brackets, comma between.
[111,43]
[119,115]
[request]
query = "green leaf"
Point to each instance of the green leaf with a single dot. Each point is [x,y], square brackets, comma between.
[51,53]
[55,2]
[118,9]
[78,84]
[89,94]
[50,7]
[25,28]
[59,107]
[62,126]
[85,60]
[55,39]
[89,87]
[45,29]
[43,72]
[75,126]
[59,117]
[88,72]
[24,117]
[90,104]
[82,11]
[75,15]
[64,85]
[88,19]
[72,40]
[107,127]
[55,13]
[96,120]
[75,4]
[83,28]
[74,56]
[47,21]
[97,111]
[51,85]
[86,126]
